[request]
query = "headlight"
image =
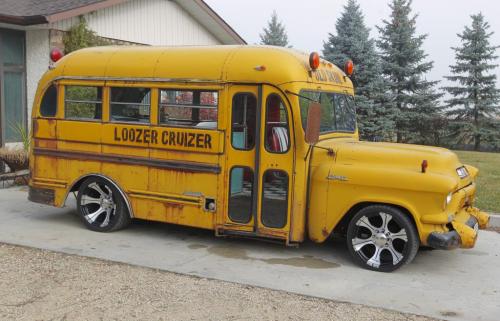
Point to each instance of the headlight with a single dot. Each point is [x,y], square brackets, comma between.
[448,199]
[462,172]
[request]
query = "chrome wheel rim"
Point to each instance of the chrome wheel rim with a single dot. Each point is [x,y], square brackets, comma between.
[379,240]
[97,204]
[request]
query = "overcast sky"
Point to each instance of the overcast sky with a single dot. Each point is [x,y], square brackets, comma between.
[309,22]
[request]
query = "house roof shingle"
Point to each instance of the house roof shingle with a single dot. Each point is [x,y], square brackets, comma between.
[31,12]
[30,8]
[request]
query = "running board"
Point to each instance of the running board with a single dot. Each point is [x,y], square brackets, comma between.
[254,236]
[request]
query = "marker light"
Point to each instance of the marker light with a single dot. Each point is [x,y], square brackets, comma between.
[424,165]
[55,54]
[314,60]
[349,68]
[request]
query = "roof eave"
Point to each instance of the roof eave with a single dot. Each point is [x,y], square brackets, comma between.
[23,20]
[82,10]
[219,27]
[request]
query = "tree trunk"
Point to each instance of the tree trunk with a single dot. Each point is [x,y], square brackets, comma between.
[477,137]
[477,142]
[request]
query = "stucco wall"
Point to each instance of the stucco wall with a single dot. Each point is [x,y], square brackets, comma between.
[37,62]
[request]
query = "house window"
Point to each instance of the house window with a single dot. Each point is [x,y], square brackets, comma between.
[188,108]
[131,105]
[83,102]
[13,85]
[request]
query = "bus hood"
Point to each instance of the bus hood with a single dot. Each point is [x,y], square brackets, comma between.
[402,159]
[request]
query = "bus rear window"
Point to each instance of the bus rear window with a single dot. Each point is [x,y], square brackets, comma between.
[189,108]
[48,107]
[130,104]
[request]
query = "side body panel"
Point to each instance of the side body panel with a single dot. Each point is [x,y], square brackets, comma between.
[167,173]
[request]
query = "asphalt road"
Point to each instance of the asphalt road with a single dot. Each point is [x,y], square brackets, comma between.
[454,285]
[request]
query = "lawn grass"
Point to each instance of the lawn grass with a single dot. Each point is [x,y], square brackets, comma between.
[488,182]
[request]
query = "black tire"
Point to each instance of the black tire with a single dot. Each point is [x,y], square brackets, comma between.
[101,207]
[382,246]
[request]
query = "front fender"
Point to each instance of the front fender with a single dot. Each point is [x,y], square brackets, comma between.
[318,203]
[331,200]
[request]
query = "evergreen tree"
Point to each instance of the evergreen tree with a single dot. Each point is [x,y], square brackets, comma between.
[404,67]
[275,33]
[475,99]
[352,42]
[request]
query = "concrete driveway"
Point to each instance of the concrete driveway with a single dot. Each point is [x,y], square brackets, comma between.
[455,285]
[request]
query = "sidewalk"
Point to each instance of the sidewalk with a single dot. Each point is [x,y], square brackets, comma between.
[494,219]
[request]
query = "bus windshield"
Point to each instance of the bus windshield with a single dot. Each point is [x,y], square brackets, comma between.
[338,113]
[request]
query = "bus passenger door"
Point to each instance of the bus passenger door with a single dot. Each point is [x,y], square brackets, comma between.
[275,165]
[260,162]
[241,153]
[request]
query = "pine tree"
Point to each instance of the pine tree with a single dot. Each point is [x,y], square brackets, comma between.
[275,33]
[352,42]
[475,99]
[404,67]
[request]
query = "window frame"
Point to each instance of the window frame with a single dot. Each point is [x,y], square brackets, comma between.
[346,94]
[256,120]
[263,198]
[109,104]
[244,167]
[94,120]
[49,87]
[266,127]
[160,104]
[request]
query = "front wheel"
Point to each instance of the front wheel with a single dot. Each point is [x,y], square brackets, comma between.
[101,206]
[382,238]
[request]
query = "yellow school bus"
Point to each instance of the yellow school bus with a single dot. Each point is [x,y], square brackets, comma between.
[246,141]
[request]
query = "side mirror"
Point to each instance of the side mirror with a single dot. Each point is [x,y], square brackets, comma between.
[313,123]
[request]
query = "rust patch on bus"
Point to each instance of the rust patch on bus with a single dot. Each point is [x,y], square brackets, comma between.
[41,195]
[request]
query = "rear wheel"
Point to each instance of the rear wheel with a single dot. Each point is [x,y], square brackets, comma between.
[382,238]
[101,206]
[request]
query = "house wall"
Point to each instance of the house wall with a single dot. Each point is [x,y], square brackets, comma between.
[37,62]
[152,22]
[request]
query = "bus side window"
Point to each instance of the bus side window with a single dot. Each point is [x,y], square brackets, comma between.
[243,122]
[277,133]
[130,104]
[188,108]
[83,102]
[48,107]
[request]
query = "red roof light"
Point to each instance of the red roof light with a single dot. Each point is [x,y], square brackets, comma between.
[56,54]
[314,60]
[349,68]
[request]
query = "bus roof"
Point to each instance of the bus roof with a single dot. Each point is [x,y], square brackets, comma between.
[249,64]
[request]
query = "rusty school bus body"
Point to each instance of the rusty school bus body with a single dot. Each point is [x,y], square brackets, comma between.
[214,138]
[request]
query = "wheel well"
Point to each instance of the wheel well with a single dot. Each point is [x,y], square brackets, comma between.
[341,227]
[79,182]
